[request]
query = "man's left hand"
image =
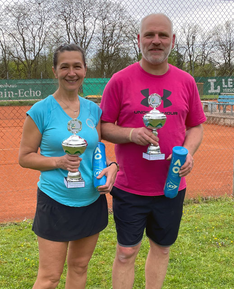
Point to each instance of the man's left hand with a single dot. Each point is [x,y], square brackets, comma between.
[187,166]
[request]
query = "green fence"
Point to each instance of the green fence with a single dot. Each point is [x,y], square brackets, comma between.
[216,85]
[94,86]
[26,89]
[40,88]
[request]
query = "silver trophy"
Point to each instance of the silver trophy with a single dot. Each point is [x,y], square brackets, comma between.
[154,120]
[74,145]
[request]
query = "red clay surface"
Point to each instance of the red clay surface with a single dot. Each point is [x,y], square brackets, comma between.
[212,175]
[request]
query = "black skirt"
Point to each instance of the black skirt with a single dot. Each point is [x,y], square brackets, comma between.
[56,222]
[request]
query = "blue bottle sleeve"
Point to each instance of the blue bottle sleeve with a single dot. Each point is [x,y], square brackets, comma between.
[99,163]
[173,179]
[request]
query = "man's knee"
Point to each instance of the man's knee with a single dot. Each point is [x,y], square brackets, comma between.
[160,250]
[127,254]
[164,250]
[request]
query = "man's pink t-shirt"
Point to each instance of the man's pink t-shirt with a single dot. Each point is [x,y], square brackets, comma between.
[125,101]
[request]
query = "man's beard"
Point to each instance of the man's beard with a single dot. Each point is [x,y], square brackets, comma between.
[158,60]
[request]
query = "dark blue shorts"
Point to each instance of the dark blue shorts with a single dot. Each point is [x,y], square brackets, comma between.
[56,222]
[160,216]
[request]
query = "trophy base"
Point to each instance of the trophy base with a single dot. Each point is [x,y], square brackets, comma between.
[74,184]
[153,157]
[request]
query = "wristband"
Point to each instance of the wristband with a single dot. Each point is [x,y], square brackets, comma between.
[115,164]
[130,134]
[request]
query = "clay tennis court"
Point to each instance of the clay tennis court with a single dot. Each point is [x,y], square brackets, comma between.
[212,175]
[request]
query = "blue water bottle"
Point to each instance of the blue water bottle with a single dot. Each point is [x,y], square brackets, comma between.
[99,163]
[173,179]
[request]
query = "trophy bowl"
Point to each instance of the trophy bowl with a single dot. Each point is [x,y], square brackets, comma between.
[74,145]
[154,120]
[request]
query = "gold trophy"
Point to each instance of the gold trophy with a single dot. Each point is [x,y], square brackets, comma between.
[154,120]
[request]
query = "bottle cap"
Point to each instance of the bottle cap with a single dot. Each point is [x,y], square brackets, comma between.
[180,150]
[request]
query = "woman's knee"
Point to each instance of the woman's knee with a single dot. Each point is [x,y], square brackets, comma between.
[78,266]
[48,280]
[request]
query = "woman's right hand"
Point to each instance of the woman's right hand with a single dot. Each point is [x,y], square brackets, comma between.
[70,163]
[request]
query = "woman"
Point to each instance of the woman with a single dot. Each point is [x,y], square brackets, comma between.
[67,220]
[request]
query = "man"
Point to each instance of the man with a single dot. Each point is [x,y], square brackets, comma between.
[138,196]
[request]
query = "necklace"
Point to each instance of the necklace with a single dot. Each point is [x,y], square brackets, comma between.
[75,111]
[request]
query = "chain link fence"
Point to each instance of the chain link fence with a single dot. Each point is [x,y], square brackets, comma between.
[107,31]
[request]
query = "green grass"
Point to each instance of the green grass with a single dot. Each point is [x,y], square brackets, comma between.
[209,97]
[201,258]
[18,102]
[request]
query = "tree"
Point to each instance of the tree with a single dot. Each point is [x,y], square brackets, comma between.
[26,29]
[176,58]
[112,40]
[203,64]
[77,21]
[190,32]
[131,38]
[102,69]
[195,50]
[4,66]
[224,37]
